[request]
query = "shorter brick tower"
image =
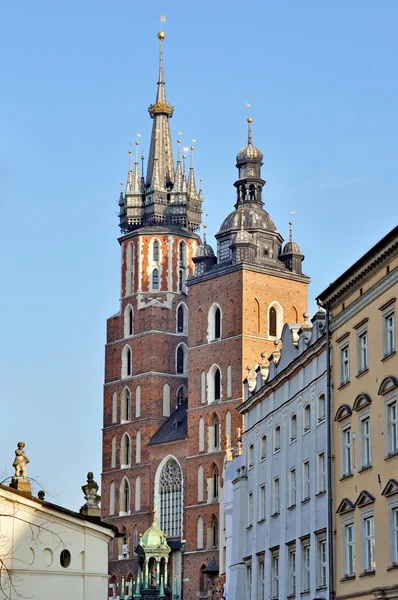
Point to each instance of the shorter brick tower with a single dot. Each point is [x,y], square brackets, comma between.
[237,309]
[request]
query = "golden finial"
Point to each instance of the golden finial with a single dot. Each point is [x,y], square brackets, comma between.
[142,157]
[161,35]
[192,148]
[178,141]
[137,143]
[183,156]
[250,120]
[130,151]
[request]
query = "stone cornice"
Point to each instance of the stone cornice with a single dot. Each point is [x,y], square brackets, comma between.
[220,270]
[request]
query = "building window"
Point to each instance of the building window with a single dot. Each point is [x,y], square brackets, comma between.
[321,408]
[125,452]
[155,279]
[214,384]
[155,251]
[199,534]
[113,453]
[366,446]
[201,434]
[114,407]
[275,496]
[293,428]
[250,509]
[292,572]
[261,511]
[344,364]
[203,388]
[347,452]
[180,319]
[215,483]
[249,582]
[214,528]
[263,447]
[292,487]
[135,539]
[261,580]
[200,484]
[275,576]
[137,505]
[394,535]
[272,321]
[182,254]
[228,428]
[277,438]
[349,549]
[322,562]
[306,554]
[181,280]
[392,428]
[125,407]
[216,439]
[214,323]
[368,536]
[306,479]
[250,456]
[124,497]
[128,321]
[138,401]
[126,362]
[229,381]
[166,400]
[112,499]
[307,418]
[389,332]
[180,359]
[138,447]
[170,487]
[321,472]
[363,352]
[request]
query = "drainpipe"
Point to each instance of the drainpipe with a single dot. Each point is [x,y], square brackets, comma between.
[329,458]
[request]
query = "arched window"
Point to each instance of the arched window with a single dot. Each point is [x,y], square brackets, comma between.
[293,428]
[228,426]
[217,385]
[215,481]
[112,499]
[124,496]
[307,418]
[272,321]
[136,537]
[321,408]
[200,484]
[180,319]
[263,447]
[128,321]
[201,434]
[293,315]
[181,366]
[114,407]
[216,439]
[250,461]
[166,400]
[125,413]
[137,401]
[214,323]
[181,394]
[203,387]
[182,254]
[125,450]
[138,447]
[214,384]
[130,269]
[214,530]
[137,502]
[229,381]
[181,280]
[199,537]
[277,438]
[155,251]
[126,362]
[113,453]
[170,489]
[155,279]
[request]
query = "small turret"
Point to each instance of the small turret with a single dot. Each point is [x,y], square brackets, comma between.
[291,254]
[204,258]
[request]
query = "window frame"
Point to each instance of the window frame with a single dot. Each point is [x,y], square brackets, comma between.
[306,566]
[307,418]
[321,472]
[262,502]
[277,438]
[366,462]
[275,575]
[293,428]
[391,401]
[322,564]
[362,350]
[250,509]
[306,481]
[292,573]
[346,451]
[344,362]
[275,496]
[292,487]
[321,418]
[368,557]
[389,348]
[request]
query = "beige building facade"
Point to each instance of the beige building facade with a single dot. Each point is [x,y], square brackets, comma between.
[362,307]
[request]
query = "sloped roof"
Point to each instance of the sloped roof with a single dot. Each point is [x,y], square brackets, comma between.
[175,428]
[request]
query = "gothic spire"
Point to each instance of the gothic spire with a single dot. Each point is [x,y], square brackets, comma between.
[136,180]
[191,178]
[179,175]
[160,147]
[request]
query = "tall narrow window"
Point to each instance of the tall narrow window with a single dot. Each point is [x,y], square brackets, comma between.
[180,359]
[125,405]
[166,400]
[181,394]
[137,505]
[392,427]
[126,362]
[261,512]
[347,452]
[321,408]
[366,446]
[112,499]
[321,473]
[200,484]
[135,539]
[261,580]
[199,534]
[203,388]
[124,496]
[344,364]
[181,280]
[275,495]
[125,451]
[363,351]
[250,509]
[216,425]
[275,575]
[215,483]
[201,434]
[250,456]
[155,251]
[128,321]
[249,575]
[322,562]
[389,333]
[307,418]
[155,279]
[306,568]
[293,428]
[349,549]
[228,426]
[394,540]
[214,527]
[293,487]
[114,407]
[182,254]
[229,381]
[170,488]
[292,572]
[180,319]
[277,438]
[217,385]
[263,447]
[113,453]
[369,544]
[138,447]
[138,401]
[217,324]
[272,321]
[306,479]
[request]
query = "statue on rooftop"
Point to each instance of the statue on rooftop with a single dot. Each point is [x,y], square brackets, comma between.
[20,461]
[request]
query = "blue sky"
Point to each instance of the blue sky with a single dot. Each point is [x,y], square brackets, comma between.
[77,79]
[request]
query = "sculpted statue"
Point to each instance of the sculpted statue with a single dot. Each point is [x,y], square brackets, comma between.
[20,461]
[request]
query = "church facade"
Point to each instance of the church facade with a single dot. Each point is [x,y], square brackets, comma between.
[178,349]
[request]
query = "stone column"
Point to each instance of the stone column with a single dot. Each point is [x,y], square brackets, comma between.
[146,573]
[157,573]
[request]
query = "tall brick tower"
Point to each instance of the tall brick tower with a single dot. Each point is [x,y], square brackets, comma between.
[177,352]
[237,309]
[146,357]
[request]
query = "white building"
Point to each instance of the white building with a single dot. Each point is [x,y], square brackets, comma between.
[47,551]
[276,500]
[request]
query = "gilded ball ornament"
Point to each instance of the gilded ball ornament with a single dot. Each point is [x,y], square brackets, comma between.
[250,120]
[161,35]
[192,148]
[129,151]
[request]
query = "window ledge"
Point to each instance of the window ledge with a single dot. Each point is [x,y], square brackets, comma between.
[321,493]
[320,421]
[263,458]
[393,567]
[322,587]
[366,468]
[291,596]
[346,476]
[305,431]
[347,578]
[305,500]
[343,385]
[275,514]
[293,439]
[261,521]
[367,573]
[291,507]
[391,455]
[276,450]
[387,356]
[305,592]
[360,373]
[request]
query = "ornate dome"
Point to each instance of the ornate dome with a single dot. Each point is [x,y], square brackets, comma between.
[153,537]
[249,154]
[255,217]
[291,248]
[204,250]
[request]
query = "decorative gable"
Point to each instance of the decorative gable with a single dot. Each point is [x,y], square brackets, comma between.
[361,401]
[388,384]
[343,412]
[345,506]
[390,488]
[364,498]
